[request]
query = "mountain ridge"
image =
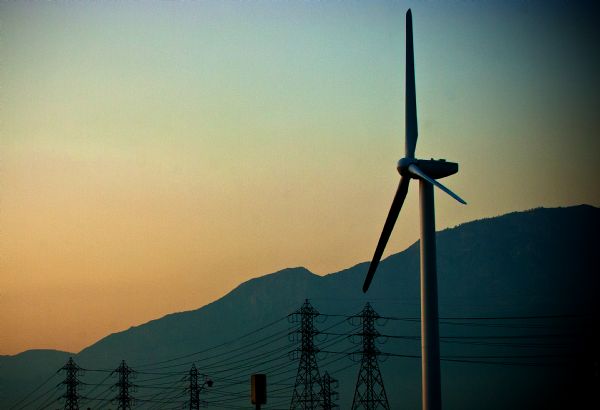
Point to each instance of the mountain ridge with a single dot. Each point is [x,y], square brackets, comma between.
[499,265]
[302,269]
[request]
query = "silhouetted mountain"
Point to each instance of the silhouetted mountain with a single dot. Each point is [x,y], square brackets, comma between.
[538,262]
[21,372]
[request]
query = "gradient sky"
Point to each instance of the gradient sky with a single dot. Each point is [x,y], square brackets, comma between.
[153,155]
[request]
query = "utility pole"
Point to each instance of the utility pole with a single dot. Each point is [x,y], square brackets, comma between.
[329,395]
[308,384]
[71,381]
[369,393]
[123,399]
[258,390]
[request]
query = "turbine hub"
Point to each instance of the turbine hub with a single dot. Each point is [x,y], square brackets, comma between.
[403,165]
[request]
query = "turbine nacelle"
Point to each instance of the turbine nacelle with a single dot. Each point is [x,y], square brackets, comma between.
[434,168]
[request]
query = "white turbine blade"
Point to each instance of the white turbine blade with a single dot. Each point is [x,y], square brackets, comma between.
[410,116]
[387,229]
[416,171]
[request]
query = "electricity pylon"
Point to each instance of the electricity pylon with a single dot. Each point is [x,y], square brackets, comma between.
[194,388]
[329,395]
[71,381]
[369,393]
[124,400]
[308,386]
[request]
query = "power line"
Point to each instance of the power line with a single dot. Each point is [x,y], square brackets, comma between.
[32,392]
[226,343]
[268,351]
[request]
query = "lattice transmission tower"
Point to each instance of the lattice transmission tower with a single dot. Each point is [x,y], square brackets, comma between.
[71,382]
[329,395]
[193,388]
[308,386]
[369,393]
[125,387]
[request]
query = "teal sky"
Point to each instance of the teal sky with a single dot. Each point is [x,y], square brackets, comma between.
[155,154]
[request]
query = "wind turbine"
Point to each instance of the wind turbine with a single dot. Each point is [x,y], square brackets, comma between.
[426,171]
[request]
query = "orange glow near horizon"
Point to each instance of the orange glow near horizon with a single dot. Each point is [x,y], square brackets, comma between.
[153,157]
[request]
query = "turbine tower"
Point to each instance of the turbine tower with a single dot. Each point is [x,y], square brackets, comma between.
[426,171]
